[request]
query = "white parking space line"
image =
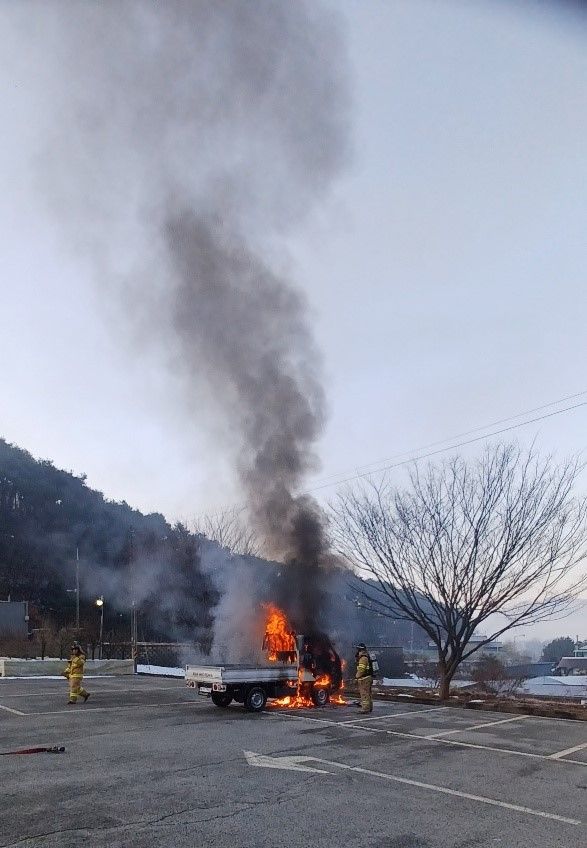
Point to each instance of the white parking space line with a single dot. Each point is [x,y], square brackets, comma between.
[440,741]
[83,709]
[10,710]
[476,726]
[480,799]
[59,692]
[393,715]
[560,754]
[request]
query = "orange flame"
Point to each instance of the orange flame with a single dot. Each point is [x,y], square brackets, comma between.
[279,637]
[280,643]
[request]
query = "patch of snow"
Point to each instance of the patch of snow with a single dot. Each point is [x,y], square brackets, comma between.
[32,677]
[35,659]
[411,682]
[51,677]
[415,682]
[574,686]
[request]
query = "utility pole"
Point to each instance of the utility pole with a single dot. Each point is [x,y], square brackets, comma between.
[133,606]
[77,589]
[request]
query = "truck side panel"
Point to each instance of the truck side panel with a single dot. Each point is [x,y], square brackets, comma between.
[236,675]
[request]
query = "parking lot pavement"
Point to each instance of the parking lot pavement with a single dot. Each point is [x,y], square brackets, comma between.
[149,763]
[520,734]
[50,696]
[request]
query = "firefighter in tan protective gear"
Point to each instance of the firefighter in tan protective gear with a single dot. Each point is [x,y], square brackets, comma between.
[364,677]
[74,672]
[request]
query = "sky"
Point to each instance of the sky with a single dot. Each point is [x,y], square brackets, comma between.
[445,269]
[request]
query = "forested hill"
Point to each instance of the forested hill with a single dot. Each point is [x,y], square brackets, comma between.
[46,514]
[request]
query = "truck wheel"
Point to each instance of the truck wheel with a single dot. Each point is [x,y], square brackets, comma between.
[320,696]
[221,699]
[256,699]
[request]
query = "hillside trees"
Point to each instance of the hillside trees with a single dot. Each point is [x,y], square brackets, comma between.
[47,514]
[230,529]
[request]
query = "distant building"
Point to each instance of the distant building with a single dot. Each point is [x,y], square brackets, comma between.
[577,664]
[14,619]
[491,648]
[526,671]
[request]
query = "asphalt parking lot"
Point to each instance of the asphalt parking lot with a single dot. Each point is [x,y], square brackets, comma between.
[150,763]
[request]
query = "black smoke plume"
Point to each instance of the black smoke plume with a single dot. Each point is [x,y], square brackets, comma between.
[190,139]
[253,335]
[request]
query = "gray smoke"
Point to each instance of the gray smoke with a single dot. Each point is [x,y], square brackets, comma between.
[190,139]
[253,334]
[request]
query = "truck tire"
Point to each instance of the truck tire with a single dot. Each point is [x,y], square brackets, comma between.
[256,699]
[221,699]
[320,696]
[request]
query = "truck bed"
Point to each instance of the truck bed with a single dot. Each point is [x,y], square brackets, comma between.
[231,674]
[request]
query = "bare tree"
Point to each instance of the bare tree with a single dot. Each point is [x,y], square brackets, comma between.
[429,672]
[465,542]
[493,677]
[230,530]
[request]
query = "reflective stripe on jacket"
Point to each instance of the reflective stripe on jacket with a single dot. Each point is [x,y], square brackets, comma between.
[363,665]
[75,666]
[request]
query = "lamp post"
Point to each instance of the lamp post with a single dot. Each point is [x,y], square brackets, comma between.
[100,604]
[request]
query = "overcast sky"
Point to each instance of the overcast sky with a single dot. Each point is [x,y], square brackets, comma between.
[445,271]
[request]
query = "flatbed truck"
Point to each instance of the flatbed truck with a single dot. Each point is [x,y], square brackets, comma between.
[253,686]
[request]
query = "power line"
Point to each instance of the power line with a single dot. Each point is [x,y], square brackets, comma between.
[363,468]
[442,450]
[413,455]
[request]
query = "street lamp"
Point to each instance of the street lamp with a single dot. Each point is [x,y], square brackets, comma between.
[100,604]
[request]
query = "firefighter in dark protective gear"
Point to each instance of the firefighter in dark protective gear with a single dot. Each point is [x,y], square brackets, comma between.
[74,672]
[364,677]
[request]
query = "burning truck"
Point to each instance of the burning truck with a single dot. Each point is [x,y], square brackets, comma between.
[301,671]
